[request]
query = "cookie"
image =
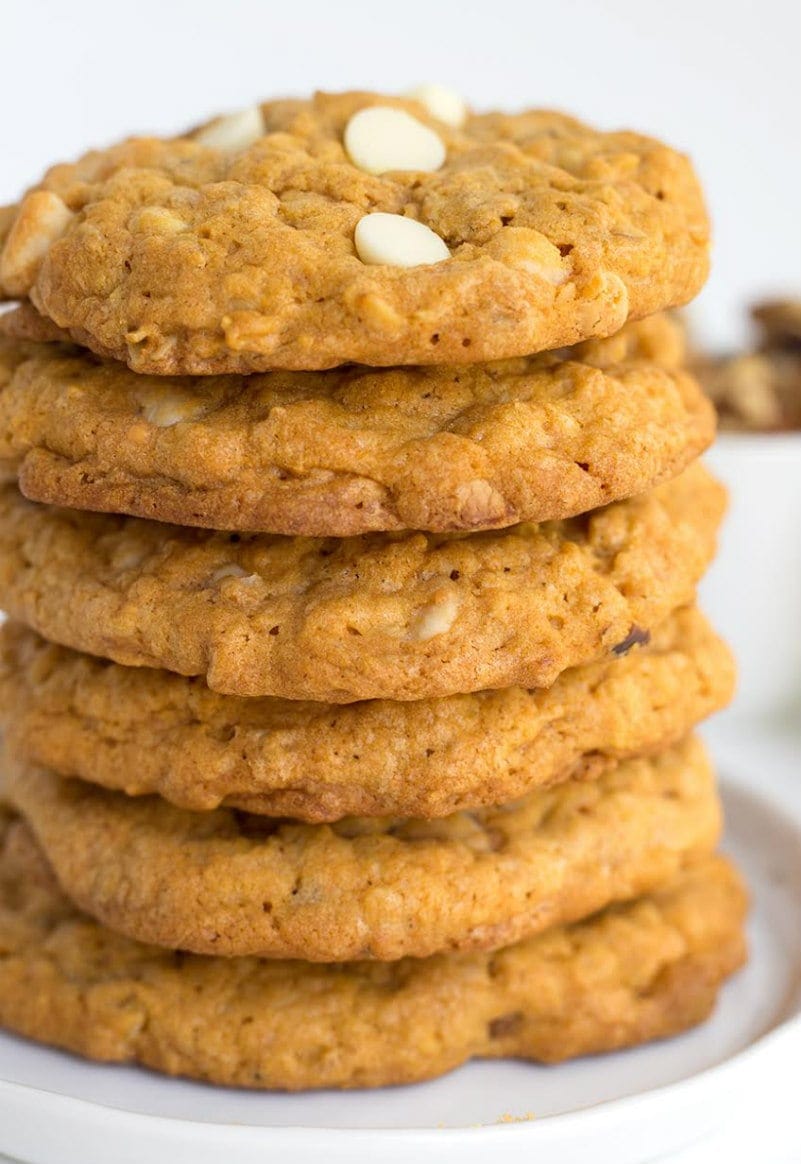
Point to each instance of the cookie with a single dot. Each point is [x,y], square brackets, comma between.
[267,240]
[233,884]
[142,731]
[383,616]
[660,338]
[636,972]
[351,451]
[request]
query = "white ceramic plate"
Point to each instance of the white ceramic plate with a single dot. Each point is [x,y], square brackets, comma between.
[642,1103]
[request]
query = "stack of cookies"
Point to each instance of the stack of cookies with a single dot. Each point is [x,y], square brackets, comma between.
[350,535]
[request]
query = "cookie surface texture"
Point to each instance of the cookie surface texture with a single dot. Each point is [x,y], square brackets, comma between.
[381,616]
[355,450]
[378,888]
[636,972]
[239,252]
[142,731]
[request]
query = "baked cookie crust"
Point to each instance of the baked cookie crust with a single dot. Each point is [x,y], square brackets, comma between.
[356,450]
[182,257]
[371,888]
[636,972]
[141,731]
[378,617]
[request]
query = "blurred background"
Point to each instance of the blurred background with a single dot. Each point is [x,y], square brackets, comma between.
[718,79]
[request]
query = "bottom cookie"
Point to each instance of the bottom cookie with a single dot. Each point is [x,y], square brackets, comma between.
[632,973]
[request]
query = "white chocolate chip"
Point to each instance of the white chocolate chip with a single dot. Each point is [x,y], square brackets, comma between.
[229,570]
[42,218]
[164,408]
[235,584]
[236,131]
[129,555]
[397,241]
[436,617]
[382,138]
[442,103]
[167,410]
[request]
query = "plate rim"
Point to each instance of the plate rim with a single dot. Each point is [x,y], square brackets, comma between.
[592,1118]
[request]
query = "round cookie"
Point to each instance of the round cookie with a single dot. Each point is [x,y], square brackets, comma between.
[635,972]
[346,452]
[142,731]
[235,248]
[381,616]
[232,884]
[352,451]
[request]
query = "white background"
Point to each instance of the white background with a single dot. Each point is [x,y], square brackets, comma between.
[720,80]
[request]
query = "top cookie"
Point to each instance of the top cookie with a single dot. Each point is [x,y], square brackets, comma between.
[248,244]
